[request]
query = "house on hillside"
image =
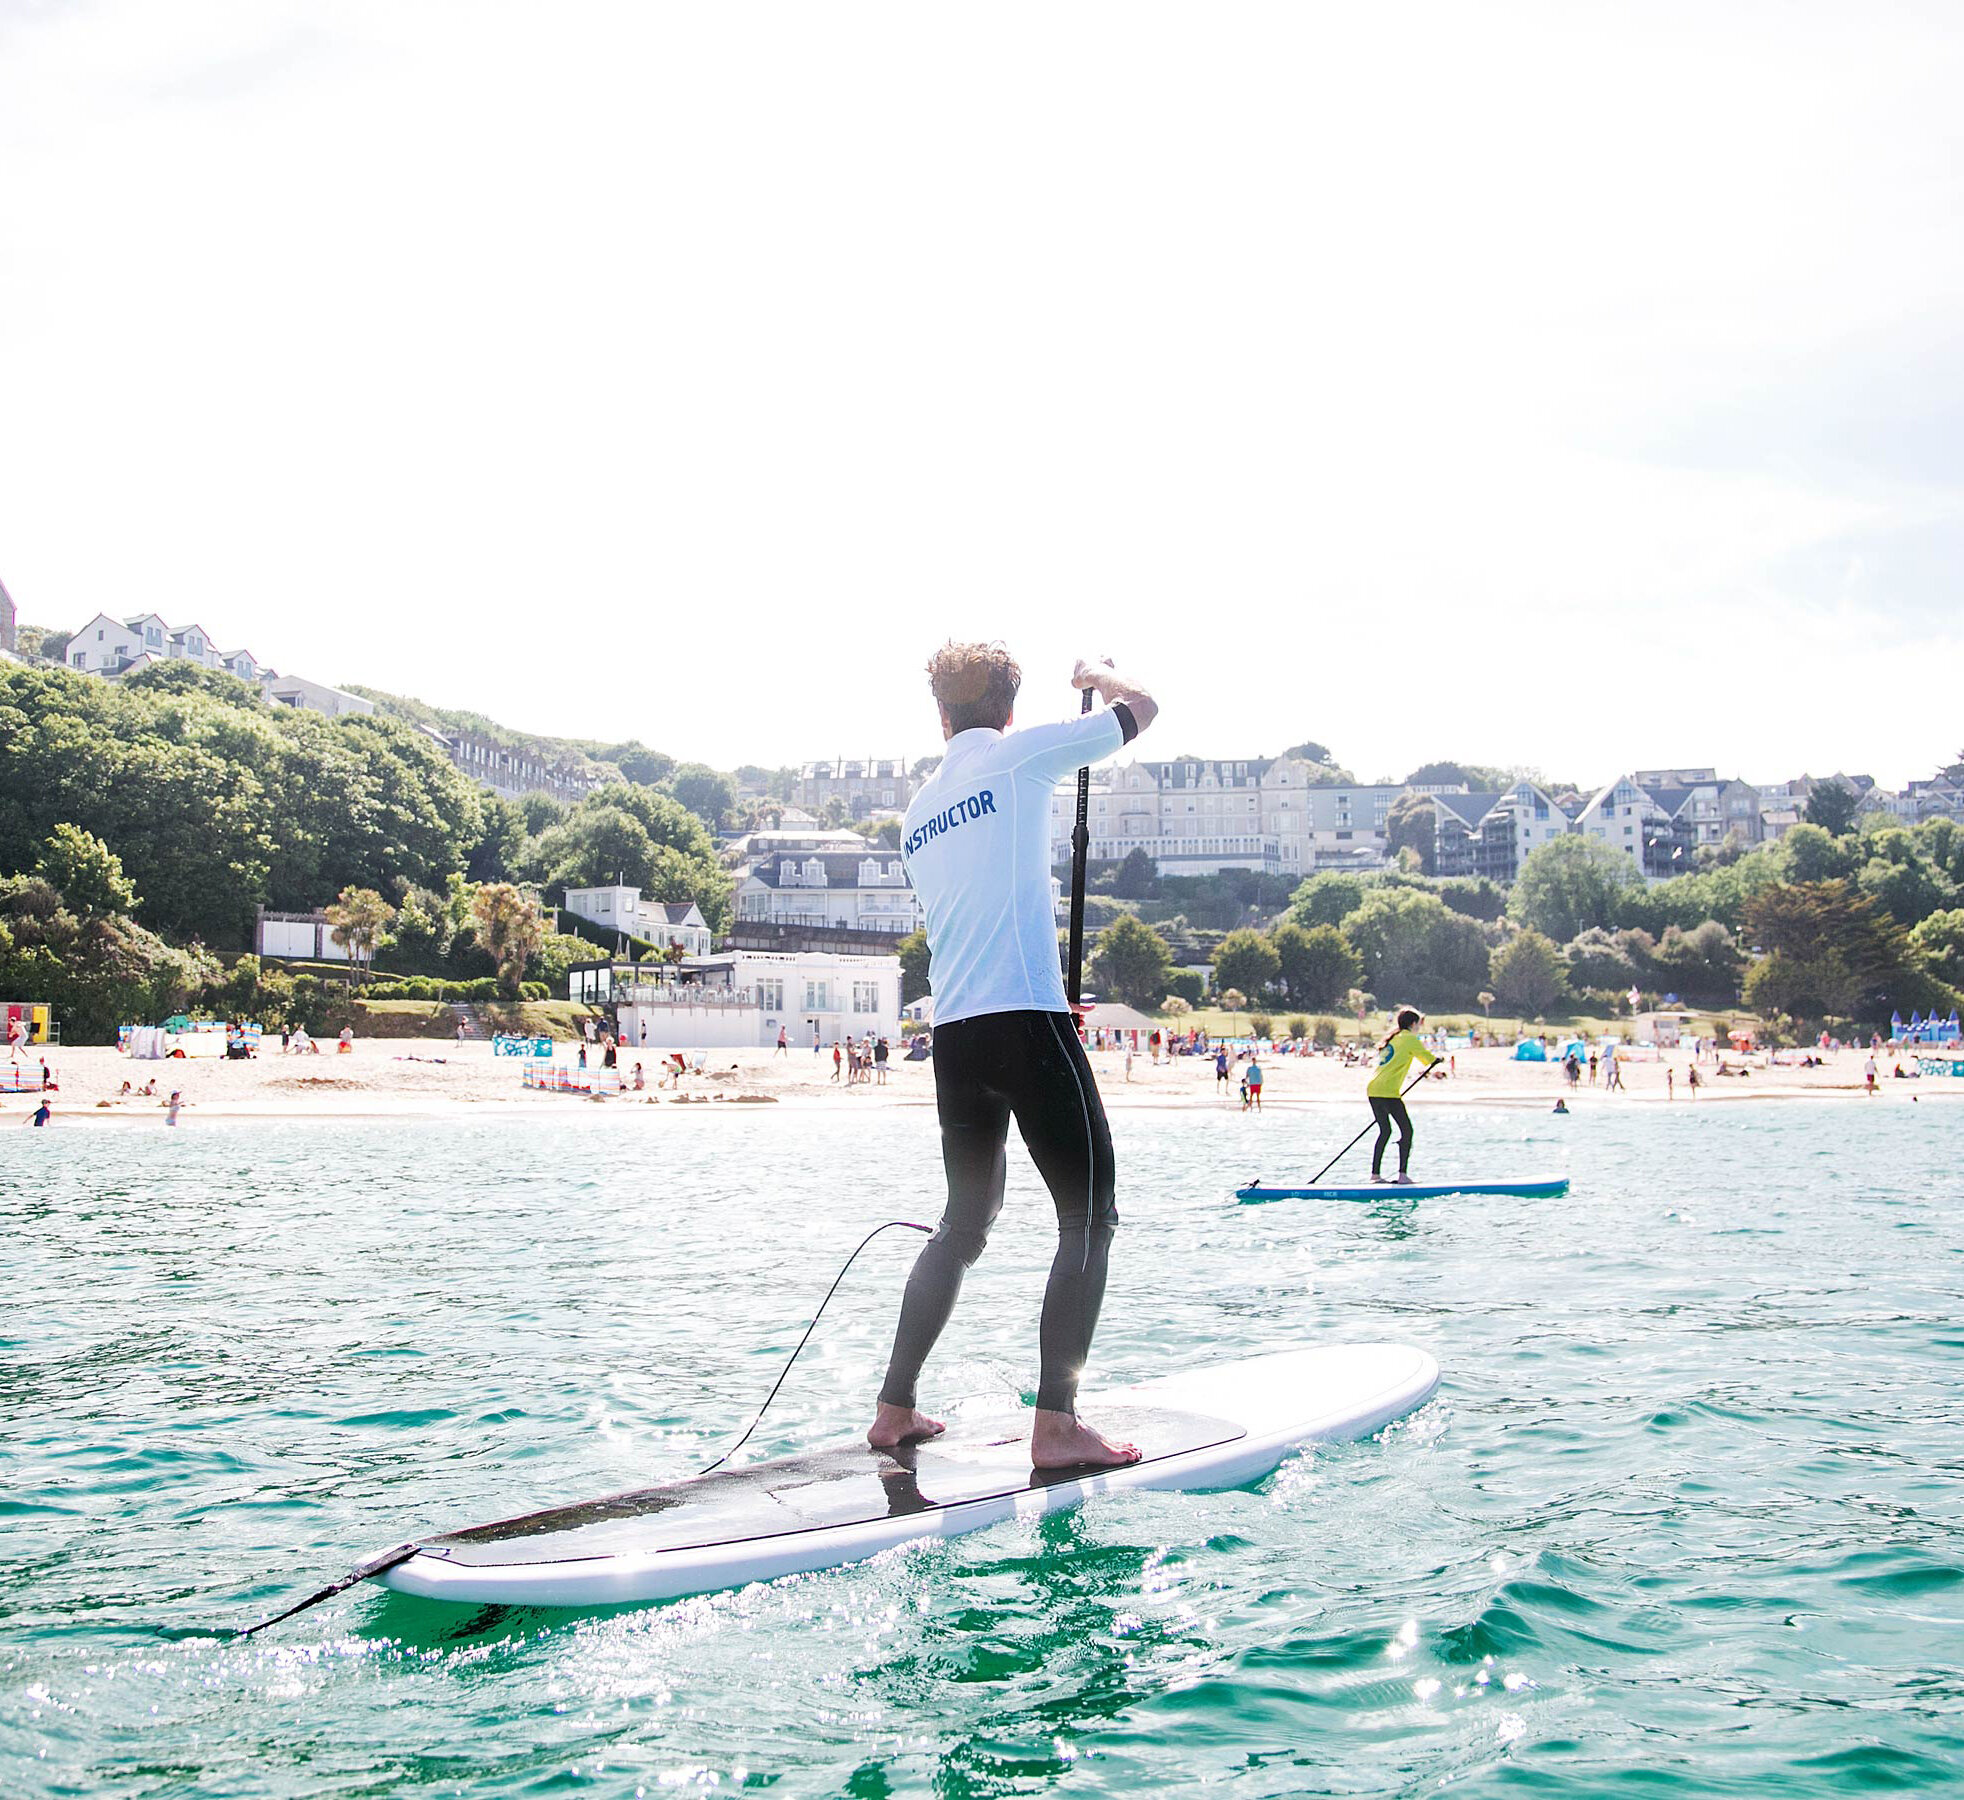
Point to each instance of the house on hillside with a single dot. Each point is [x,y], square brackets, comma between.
[315,696]
[1656,829]
[845,890]
[861,786]
[116,647]
[659,922]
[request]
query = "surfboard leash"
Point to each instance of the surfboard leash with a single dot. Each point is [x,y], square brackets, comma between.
[890,1225]
[378,1564]
[383,1561]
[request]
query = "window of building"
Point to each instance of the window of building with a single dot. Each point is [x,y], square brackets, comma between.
[866,996]
[770,993]
[818,994]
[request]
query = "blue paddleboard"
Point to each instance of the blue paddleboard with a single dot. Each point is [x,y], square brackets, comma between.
[1534,1188]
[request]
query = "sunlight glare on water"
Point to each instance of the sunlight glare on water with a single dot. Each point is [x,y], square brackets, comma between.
[1683,1516]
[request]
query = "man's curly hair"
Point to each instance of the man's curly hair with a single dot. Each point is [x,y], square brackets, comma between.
[975,683]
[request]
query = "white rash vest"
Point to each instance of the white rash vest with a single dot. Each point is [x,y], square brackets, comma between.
[977,847]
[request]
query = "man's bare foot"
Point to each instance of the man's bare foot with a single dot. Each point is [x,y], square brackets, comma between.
[1062,1440]
[901,1425]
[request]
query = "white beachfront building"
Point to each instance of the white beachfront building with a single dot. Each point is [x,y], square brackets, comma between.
[743,997]
[626,909]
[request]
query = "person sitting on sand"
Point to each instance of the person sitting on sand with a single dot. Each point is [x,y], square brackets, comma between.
[640,1080]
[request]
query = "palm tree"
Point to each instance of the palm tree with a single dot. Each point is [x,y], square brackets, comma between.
[359,916]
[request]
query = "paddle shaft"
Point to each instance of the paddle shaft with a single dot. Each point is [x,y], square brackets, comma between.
[1359,1138]
[1080,851]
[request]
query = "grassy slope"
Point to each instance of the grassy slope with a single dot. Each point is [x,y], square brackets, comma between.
[432,1018]
[1217,1022]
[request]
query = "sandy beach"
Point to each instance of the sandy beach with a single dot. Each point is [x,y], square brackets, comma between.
[436,1078]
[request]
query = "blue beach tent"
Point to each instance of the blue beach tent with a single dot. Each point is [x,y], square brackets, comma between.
[1530,1050]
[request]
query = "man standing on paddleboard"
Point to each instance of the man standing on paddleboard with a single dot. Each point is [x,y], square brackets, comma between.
[977,846]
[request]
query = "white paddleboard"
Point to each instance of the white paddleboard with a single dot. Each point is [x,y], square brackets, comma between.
[1217,1427]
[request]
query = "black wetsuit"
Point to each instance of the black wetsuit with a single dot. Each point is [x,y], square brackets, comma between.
[1031,1067]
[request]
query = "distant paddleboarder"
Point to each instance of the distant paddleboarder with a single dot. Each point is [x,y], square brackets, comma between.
[1395,1057]
[977,846]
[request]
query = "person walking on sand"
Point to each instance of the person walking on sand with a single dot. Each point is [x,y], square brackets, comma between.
[836,1059]
[16,1037]
[1220,1068]
[783,1041]
[976,842]
[1693,1080]
[1255,1082]
[881,1052]
[1386,1091]
[1670,1082]
[1868,1074]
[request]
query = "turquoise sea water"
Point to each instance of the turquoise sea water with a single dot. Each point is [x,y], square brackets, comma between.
[1686,1517]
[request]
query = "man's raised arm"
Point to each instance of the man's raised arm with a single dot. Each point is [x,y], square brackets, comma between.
[1113,687]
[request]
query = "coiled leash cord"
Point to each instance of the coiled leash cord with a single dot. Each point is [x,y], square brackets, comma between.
[890,1225]
[381,1563]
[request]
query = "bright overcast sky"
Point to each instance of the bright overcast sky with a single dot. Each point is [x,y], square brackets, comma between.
[1567,386]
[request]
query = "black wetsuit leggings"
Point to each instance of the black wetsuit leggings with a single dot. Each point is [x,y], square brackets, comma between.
[1389,1112]
[1028,1066]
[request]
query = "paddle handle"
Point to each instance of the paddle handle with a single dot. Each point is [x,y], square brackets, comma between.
[1080,854]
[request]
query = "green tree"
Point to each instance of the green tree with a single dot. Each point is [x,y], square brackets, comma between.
[1810,853]
[640,764]
[1939,940]
[913,968]
[1702,964]
[509,929]
[1413,824]
[1568,885]
[1528,974]
[1131,962]
[1413,946]
[1309,750]
[704,791]
[1603,959]
[1831,952]
[96,972]
[1317,966]
[85,872]
[495,854]
[1902,878]
[1476,777]
[540,811]
[1248,961]
[1327,899]
[1136,877]
[1475,896]
[1832,805]
[359,917]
